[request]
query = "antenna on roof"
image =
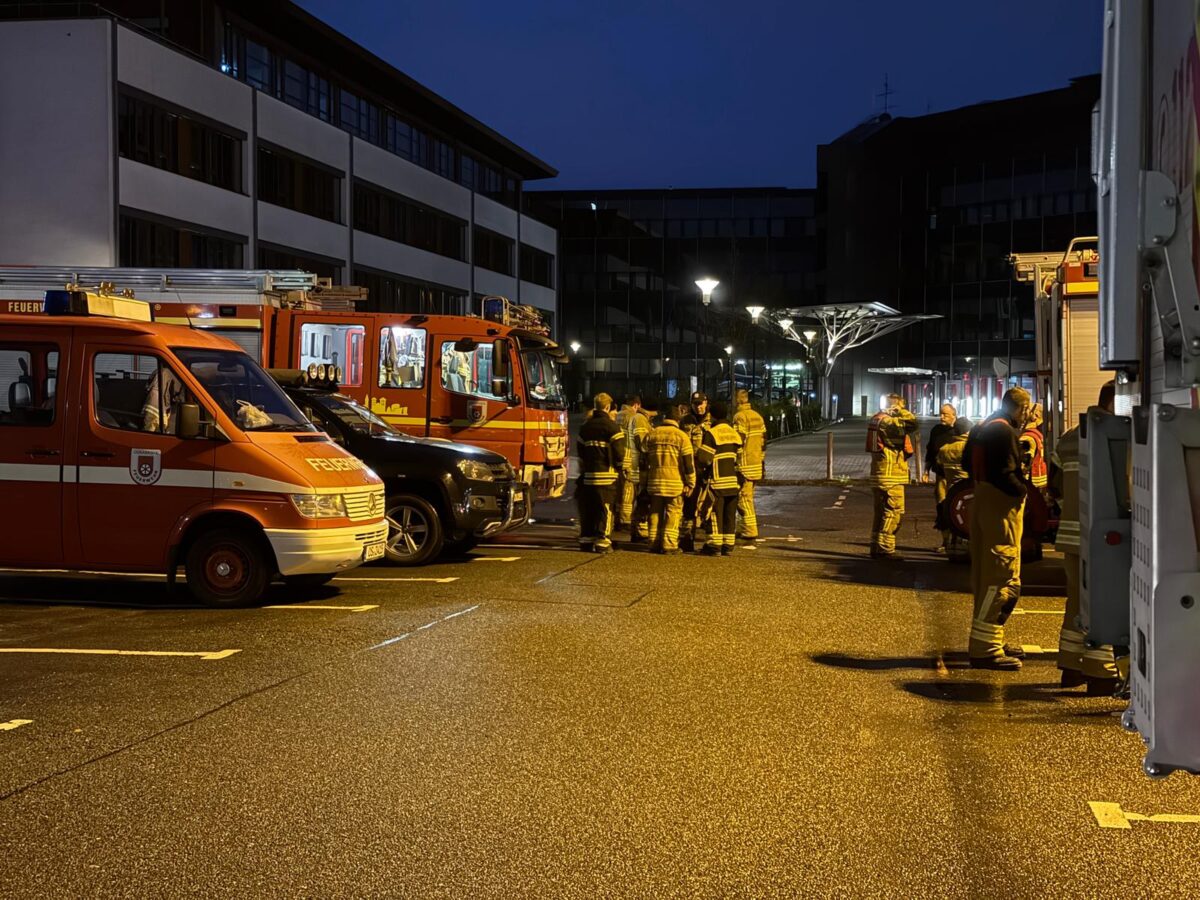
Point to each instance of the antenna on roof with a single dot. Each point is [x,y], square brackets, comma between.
[887,93]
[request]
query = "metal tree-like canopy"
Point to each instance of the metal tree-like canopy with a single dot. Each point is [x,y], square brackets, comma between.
[843,326]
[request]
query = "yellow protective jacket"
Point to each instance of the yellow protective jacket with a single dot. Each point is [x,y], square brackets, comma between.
[890,444]
[668,460]
[1065,486]
[693,426]
[949,463]
[753,431]
[636,426]
[718,458]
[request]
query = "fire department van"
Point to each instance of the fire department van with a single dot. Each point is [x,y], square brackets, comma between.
[130,446]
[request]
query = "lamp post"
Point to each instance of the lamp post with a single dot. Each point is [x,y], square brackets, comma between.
[707,286]
[732,383]
[810,335]
[755,312]
[786,326]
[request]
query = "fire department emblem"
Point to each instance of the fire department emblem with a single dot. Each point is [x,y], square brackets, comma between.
[145,466]
[476,412]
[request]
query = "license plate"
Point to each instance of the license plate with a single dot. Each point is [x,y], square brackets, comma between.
[373,551]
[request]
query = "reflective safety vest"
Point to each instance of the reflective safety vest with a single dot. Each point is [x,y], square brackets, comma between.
[719,452]
[1033,457]
[753,430]
[636,426]
[889,441]
[601,450]
[668,460]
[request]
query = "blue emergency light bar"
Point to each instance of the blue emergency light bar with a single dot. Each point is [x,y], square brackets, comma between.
[64,303]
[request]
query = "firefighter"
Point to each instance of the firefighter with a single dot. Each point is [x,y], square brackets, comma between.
[942,432]
[601,457]
[717,464]
[693,424]
[753,431]
[1080,664]
[993,459]
[669,463]
[1033,450]
[889,441]
[639,524]
[634,423]
[948,467]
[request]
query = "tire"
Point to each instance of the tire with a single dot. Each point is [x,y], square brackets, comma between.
[308,582]
[227,568]
[414,531]
[461,547]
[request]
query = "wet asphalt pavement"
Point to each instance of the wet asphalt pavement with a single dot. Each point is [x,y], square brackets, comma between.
[794,721]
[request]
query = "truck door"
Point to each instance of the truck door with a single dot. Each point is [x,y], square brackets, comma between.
[136,478]
[33,451]
[463,406]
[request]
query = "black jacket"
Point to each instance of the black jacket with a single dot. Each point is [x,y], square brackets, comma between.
[939,435]
[601,450]
[994,455]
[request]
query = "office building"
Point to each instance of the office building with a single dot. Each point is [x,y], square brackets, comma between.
[250,134]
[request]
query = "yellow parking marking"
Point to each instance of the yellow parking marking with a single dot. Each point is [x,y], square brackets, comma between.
[363,608]
[1037,612]
[495,559]
[1110,815]
[1035,649]
[433,580]
[201,654]
[14,723]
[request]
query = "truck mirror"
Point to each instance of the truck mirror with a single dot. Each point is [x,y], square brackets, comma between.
[189,421]
[499,386]
[465,345]
[500,367]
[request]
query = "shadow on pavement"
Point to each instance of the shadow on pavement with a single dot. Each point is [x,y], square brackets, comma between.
[120,593]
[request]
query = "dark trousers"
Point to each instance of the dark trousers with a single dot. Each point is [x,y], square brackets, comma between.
[722,523]
[595,505]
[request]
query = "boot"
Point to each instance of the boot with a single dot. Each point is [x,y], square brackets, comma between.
[1072,678]
[999,663]
[1100,687]
[1016,651]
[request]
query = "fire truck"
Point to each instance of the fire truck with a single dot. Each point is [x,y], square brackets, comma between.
[492,380]
[1144,572]
[1066,297]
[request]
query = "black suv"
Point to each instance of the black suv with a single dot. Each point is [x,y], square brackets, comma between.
[441,496]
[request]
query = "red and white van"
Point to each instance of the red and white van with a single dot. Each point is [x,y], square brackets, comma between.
[128,446]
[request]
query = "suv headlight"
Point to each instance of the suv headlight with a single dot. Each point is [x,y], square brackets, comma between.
[473,470]
[319,506]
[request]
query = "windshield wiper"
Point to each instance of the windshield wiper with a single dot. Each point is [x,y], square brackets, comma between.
[283,426]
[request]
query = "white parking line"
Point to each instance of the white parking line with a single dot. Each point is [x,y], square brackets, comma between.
[495,559]
[201,654]
[433,580]
[408,634]
[14,723]
[363,608]
[1037,612]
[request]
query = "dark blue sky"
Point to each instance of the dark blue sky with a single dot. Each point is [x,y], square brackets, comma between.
[713,93]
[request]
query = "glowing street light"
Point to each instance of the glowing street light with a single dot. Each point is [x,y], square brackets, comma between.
[755,312]
[786,325]
[729,349]
[576,346]
[707,286]
[809,335]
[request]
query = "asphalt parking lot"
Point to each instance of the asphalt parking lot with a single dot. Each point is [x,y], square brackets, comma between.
[532,721]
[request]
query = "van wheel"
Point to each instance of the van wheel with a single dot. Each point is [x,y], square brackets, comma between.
[414,530]
[227,568]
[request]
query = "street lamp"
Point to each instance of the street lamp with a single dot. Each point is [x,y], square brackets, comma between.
[786,325]
[809,335]
[755,312]
[576,346]
[707,286]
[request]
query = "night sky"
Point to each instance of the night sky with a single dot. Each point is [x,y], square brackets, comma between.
[714,93]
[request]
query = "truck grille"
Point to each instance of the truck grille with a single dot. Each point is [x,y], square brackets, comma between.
[501,471]
[364,505]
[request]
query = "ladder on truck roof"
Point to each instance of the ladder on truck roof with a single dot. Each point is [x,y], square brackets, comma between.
[163,280]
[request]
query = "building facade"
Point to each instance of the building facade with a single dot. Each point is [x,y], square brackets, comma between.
[922,214]
[629,260]
[253,135]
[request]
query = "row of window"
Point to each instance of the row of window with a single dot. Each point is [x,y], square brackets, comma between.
[272,73]
[298,184]
[177,142]
[391,293]
[150,244]
[493,251]
[406,221]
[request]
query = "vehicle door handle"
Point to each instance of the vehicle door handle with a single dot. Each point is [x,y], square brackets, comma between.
[442,420]
[96,454]
[40,451]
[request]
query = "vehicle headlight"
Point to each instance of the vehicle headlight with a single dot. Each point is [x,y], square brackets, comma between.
[319,506]
[474,470]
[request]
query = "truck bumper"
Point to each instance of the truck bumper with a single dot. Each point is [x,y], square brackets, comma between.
[486,515]
[319,551]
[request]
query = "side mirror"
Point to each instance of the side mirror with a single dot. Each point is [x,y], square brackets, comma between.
[465,345]
[188,425]
[500,367]
[499,386]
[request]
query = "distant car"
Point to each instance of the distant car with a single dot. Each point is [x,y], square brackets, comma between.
[442,497]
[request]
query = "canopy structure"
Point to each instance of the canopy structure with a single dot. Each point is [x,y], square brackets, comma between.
[841,327]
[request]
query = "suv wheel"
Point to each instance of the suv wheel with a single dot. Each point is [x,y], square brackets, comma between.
[227,567]
[414,530]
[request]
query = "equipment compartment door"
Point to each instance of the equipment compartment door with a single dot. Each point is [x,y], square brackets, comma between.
[33,448]
[137,480]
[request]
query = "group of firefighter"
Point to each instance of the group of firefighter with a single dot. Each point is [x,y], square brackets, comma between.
[1004,457]
[679,475]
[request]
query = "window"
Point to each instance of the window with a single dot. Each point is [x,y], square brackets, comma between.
[359,116]
[443,159]
[468,371]
[537,266]
[150,244]
[281,258]
[401,357]
[259,66]
[334,345]
[135,392]
[493,251]
[243,391]
[296,183]
[391,293]
[306,90]
[406,221]
[468,171]
[28,382]
[159,137]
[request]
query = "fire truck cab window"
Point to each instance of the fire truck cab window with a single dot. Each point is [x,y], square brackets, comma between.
[133,392]
[401,357]
[468,372]
[334,345]
[28,381]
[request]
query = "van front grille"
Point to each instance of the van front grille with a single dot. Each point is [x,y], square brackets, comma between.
[364,505]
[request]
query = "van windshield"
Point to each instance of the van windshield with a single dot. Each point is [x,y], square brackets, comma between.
[245,393]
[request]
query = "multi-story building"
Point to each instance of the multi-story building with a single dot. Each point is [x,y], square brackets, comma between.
[250,134]
[922,214]
[629,264]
